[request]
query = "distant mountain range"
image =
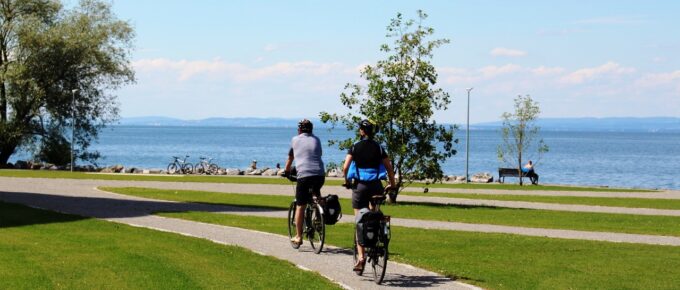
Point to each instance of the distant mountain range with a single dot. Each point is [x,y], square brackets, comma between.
[651,124]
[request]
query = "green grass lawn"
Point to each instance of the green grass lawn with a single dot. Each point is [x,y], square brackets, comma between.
[500,261]
[46,250]
[601,201]
[635,224]
[276,180]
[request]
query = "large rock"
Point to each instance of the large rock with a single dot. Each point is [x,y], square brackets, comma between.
[254,172]
[270,172]
[117,168]
[281,172]
[21,165]
[233,171]
[483,177]
[334,173]
[107,170]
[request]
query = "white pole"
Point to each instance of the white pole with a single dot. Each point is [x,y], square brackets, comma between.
[467,139]
[73,123]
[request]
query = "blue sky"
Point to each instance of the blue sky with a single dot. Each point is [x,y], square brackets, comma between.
[204,59]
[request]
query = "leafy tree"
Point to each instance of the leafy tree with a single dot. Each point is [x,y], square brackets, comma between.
[400,98]
[46,54]
[519,132]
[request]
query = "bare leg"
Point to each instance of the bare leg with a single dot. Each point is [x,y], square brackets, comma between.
[299,213]
[360,249]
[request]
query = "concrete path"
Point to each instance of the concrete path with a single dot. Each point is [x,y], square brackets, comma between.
[287,190]
[81,198]
[17,190]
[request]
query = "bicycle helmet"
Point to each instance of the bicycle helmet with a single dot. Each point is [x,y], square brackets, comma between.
[369,127]
[305,126]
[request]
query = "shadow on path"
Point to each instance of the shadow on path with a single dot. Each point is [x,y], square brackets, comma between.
[103,207]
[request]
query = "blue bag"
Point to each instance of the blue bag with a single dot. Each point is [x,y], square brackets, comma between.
[366,174]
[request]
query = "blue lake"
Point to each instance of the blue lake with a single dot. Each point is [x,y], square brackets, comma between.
[620,159]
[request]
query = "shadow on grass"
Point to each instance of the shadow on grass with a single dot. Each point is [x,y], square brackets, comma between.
[16,215]
[98,207]
[441,205]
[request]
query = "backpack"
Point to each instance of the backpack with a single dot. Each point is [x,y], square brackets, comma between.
[331,209]
[368,229]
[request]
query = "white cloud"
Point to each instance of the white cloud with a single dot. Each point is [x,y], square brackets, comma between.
[270,47]
[502,51]
[660,79]
[217,68]
[494,71]
[588,74]
[613,20]
[547,71]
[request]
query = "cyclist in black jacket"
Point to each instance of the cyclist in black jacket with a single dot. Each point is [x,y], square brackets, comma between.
[367,153]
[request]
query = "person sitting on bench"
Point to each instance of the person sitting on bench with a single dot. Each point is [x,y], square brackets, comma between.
[529,170]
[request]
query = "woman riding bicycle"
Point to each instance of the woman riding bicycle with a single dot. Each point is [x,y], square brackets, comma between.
[368,156]
[305,149]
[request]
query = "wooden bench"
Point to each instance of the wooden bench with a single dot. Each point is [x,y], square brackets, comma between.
[509,172]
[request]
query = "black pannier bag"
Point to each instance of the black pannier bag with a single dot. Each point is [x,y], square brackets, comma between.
[331,209]
[368,229]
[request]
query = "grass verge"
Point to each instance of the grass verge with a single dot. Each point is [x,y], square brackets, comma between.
[43,250]
[500,261]
[274,180]
[620,223]
[601,201]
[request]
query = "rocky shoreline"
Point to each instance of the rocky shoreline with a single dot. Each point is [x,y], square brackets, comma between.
[483,177]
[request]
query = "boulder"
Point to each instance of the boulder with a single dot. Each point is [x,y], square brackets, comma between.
[153,171]
[270,172]
[334,173]
[53,167]
[254,172]
[281,172]
[35,166]
[117,168]
[130,170]
[21,164]
[233,171]
[460,178]
[483,177]
[107,170]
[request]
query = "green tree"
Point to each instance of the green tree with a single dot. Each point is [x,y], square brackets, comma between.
[519,133]
[46,54]
[399,96]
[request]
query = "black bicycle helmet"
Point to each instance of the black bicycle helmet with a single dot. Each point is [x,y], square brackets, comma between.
[368,127]
[305,126]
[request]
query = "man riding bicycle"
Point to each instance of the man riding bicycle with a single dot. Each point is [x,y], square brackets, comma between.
[368,156]
[306,151]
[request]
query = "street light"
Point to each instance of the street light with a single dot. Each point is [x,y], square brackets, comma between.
[467,138]
[73,123]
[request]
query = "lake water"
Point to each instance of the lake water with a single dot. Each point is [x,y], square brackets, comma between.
[620,159]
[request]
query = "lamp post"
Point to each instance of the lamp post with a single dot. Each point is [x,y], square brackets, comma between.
[467,138]
[73,123]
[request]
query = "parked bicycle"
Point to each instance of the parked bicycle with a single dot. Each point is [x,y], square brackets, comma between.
[205,166]
[180,166]
[373,233]
[313,227]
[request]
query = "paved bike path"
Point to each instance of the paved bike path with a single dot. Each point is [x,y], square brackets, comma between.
[80,198]
[287,190]
[86,189]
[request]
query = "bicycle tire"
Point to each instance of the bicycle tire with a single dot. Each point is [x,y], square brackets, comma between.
[291,225]
[317,230]
[356,258]
[213,169]
[380,255]
[199,168]
[172,168]
[188,168]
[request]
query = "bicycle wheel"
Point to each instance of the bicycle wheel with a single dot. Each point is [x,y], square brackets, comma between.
[198,168]
[379,262]
[213,169]
[317,229]
[172,168]
[291,225]
[188,168]
[356,257]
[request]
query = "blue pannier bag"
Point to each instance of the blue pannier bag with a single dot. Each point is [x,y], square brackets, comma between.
[366,174]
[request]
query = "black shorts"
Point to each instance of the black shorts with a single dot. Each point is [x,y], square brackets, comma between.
[361,195]
[306,187]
